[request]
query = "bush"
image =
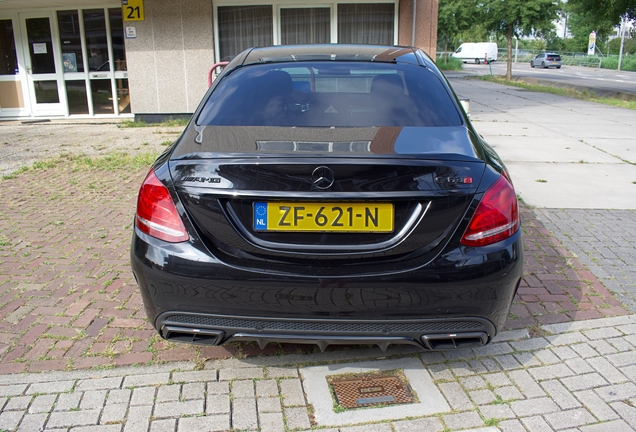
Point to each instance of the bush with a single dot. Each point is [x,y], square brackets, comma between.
[449,63]
[628,63]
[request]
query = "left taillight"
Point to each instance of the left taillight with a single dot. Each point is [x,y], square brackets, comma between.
[157,215]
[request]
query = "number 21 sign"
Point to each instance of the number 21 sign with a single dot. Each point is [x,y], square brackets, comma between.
[133,10]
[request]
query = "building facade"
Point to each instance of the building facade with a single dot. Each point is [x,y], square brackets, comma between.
[150,58]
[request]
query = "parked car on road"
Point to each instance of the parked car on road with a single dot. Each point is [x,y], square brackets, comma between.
[329,194]
[546,60]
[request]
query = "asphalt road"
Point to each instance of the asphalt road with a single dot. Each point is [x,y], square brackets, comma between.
[602,79]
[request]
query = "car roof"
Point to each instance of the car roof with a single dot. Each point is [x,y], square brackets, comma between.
[333,52]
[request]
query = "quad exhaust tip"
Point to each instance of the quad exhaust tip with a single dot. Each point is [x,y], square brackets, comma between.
[433,342]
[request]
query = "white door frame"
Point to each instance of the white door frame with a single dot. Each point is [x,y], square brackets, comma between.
[44,109]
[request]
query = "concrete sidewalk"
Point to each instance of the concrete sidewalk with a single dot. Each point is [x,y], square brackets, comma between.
[67,298]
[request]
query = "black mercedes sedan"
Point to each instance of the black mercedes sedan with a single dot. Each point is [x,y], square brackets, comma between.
[329,194]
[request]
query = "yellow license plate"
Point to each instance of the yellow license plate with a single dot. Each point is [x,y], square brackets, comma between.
[323,217]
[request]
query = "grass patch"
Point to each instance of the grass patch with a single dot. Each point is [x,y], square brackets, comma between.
[109,162]
[450,63]
[181,122]
[584,95]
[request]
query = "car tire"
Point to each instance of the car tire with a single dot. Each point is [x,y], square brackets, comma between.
[532,65]
[477,61]
[543,65]
[558,67]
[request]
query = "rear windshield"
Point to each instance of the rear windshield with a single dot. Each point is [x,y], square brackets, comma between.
[326,94]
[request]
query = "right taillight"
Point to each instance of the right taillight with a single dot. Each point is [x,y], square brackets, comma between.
[496,217]
[157,215]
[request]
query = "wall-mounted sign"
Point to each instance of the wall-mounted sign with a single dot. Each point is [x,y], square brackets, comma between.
[131,32]
[133,10]
[39,48]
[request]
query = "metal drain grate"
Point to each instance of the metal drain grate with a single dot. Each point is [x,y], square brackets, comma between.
[358,392]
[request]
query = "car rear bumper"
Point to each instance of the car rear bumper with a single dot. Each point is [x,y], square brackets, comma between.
[460,299]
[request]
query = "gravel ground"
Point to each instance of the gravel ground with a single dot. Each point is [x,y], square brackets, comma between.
[22,144]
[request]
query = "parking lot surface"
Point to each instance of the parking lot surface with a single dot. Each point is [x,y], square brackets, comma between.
[69,307]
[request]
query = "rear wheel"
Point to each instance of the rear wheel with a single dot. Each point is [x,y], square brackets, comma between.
[543,65]
[477,61]
[531,65]
[558,67]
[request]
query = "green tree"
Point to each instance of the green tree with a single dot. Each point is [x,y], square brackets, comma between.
[516,18]
[454,18]
[601,12]
[581,24]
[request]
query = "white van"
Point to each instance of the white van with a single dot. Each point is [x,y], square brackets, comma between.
[476,52]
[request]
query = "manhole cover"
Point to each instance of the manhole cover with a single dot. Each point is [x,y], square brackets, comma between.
[359,392]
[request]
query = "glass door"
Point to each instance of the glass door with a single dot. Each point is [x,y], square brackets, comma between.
[43,64]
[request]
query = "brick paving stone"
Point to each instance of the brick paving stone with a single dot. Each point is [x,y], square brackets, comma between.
[116,397]
[18,403]
[497,379]
[461,369]
[531,407]
[560,394]
[272,422]
[266,388]
[595,405]
[584,382]
[93,399]
[508,362]
[242,373]
[32,422]
[167,425]
[602,333]
[195,390]
[456,396]
[614,426]
[99,384]
[194,376]
[244,414]
[584,350]
[68,401]
[243,389]
[143,396]
[383,427]
[603,347]
[462,420]
[431,424]
[297,418]
[512,426]
[217,404]
[499,411]
[473,383]
[508,393]
[207,423]
[616,392]
[178,409]
[138,419]
[605,368]
[441,372]
[570,419]
[42,404]
[530,344]
[547,357]
[113,413]
[526,384]
[269,404]
[536,424]
[292,392]
[9,420]
[50,387]
[622,359]
[482,397]
[73,418]
[527,359]
[282,372]
[579,366]
[627,413]
[218,388]
[551,372]
[146,380]
[168,393]
[620,343]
